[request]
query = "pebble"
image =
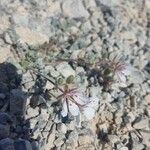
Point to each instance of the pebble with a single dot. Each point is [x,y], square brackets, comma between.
[108,3]
[123,148]
[49,85]
[85,140]
[107,97]
[146,138]
[61,127]
[32,112]
[137,145]
[113,138]
[22,145]
[17,102]
[51,138]
[72,140]
[74,9]
[58,142]
[5,118]
[35,145]
[30,37]
[4,131]
[142,124]
[7,38]
[33,122]
[147,99]
[7,144]
[65,69]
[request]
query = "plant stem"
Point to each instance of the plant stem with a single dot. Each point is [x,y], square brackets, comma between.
[36,72]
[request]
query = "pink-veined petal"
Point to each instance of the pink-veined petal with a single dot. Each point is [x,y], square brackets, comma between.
[80,99]
[73,108]
[64,111]
[127,70]
[121,77]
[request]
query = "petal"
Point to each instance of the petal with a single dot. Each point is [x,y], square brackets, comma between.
[80,99]
[121,77]
[89,113]
[64,111]
[127,70]
[73,108]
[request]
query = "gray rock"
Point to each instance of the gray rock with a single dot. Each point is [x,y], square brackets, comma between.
[35,145]
[5,118]
[58,142]
[20,19]
[142,124]
[33,38]
[2,95]
[65,70]
[7,38]
[108,3]
[72,140]
[123,148]
[17,102]
[51,138]
[22,145]
[32,112]
[4,131]
[7,144]
[74,9]
[107,97]
[146,138]
[61,127]
[113,138]
[137,145]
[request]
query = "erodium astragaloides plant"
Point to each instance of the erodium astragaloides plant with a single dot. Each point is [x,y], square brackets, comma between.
[75,102]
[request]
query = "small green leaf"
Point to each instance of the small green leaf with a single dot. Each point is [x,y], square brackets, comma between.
[70,79]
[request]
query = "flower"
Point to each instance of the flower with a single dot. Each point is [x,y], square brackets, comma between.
[75,102]
[120,67]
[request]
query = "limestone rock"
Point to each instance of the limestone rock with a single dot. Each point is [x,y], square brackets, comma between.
[31,37]
[5,53]
[61,127]
[146,138]
[147,99]
[65,69]
[74,9]
[85,139]
[142,124]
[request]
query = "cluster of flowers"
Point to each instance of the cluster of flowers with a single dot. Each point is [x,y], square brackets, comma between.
[75,102]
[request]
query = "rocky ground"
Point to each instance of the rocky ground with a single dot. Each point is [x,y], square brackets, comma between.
[45,35]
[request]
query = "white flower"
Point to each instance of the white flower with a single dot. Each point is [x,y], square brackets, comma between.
[76,102]
[120,67]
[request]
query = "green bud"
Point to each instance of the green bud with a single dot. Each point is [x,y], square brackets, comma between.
[60,81]
[70,79]
[108,72]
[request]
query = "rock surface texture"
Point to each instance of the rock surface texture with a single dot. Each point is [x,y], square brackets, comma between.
[34,34]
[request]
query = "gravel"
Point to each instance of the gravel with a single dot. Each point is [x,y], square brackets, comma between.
[49,40]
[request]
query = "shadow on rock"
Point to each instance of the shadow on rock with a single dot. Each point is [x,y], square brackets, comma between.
[14,129]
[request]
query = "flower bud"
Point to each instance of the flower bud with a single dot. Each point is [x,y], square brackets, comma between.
[70,79]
